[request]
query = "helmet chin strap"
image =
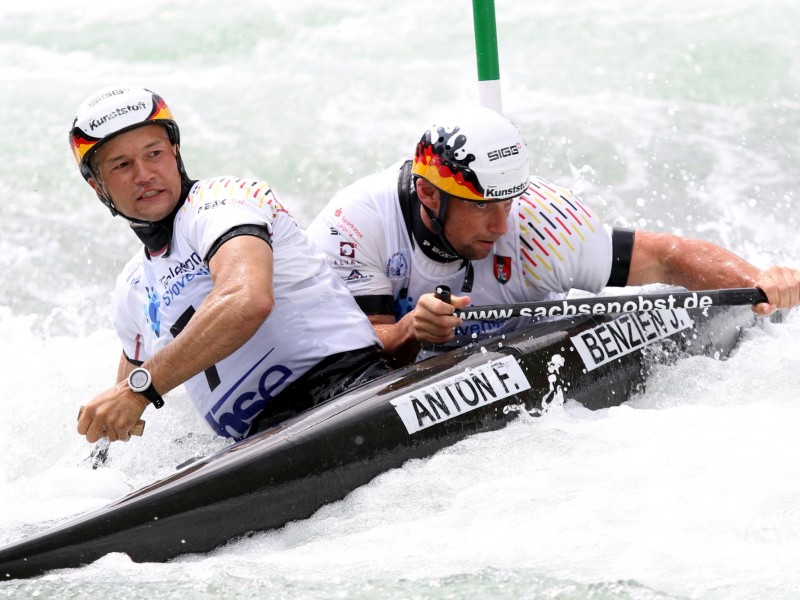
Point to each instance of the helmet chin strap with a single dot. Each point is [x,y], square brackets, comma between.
[435,244]
[446,251]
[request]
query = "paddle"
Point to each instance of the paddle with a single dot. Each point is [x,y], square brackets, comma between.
[99,453]
[608,304]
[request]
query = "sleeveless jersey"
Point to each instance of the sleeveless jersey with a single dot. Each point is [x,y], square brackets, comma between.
[554,243]
[156,297]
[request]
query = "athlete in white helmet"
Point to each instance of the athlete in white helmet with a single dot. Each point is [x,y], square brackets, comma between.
[227,295]
[465,212]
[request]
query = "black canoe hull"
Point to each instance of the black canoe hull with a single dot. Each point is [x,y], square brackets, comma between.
[290,471]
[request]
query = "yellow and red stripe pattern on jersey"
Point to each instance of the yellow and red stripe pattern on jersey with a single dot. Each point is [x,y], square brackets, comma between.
[82,143]
[220,189]
[436,163]
[552,223]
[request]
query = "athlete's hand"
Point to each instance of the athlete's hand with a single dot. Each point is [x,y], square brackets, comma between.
[433,319]
[112,414]
[782,287]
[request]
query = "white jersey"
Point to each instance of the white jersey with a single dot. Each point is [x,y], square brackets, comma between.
[554,243]
[156,296]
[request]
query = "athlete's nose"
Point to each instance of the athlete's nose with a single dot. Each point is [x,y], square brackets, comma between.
[498,218]
[142,172]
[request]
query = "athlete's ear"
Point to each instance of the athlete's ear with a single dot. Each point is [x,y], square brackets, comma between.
[428,194]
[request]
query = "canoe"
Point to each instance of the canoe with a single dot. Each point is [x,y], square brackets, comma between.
[288,472]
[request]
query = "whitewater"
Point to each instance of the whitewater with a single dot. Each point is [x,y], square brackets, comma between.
[668,116]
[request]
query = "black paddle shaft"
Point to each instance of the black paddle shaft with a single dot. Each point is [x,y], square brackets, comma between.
[609,304]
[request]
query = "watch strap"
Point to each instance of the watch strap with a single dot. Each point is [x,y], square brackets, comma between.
[151,394]
[150,391]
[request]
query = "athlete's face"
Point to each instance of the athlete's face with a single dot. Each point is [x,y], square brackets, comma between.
[472,228]
[138,171]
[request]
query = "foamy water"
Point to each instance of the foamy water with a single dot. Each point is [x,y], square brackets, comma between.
[669,116]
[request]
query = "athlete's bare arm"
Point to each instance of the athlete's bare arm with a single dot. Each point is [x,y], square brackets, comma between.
[697,265]
[431,322]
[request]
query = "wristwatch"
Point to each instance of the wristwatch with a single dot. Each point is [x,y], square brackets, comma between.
[141,381]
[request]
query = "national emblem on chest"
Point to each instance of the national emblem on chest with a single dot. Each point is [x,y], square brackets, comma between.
[502,268]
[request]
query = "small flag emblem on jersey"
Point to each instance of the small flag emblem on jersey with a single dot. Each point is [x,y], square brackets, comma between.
[502,268]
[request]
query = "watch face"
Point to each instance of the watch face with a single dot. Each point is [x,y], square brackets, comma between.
[139,379]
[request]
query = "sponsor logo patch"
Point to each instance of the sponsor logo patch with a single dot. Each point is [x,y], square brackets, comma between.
[347,249]
[628,333]
[117,112]
[356,275]
[503,152]
[467,391]
[343,263]
[397,265]
[231,415]
[346,226]
[496,192]
[108,95]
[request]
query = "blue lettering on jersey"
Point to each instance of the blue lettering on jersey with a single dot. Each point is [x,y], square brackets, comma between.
[235,420]
[471,328]
[176,288]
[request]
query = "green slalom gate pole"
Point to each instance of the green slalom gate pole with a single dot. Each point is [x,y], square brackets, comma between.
[486,53]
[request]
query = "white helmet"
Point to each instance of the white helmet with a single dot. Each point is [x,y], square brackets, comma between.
[114,110]
[476,154]
[110,112]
